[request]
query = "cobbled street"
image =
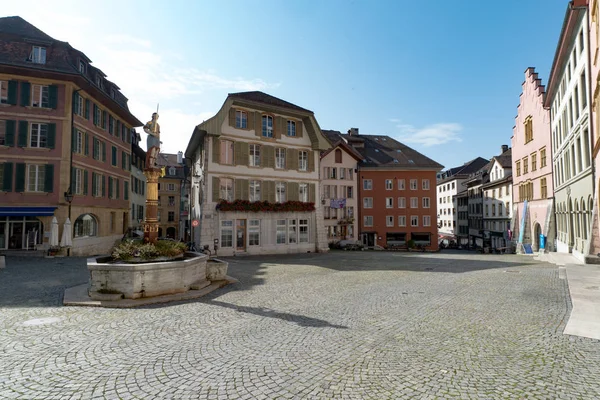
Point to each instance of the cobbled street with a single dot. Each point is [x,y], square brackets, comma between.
[344,325]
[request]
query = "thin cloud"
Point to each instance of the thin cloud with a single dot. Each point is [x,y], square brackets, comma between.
[430,135]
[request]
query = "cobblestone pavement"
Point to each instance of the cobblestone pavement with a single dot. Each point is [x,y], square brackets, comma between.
[344,325]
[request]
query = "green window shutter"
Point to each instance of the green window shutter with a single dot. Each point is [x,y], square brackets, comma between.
[25,94]
[20,178]
[117,183]
[51,141]
[311,192]
[95,147]
[128,162]
[104,119]
[49,178]
[216,150]
[123,160]
[7,178]
[87,144]
[11,127]
[110,124]
[126,190]
[114,156]
[215,189]
[12,92]
[53,96]
[103,185]
[278,127]
[258,124]
[23,128]
[103,152]
[87,109]
[94,180]
[94,119]
[311,160]
[110,186]
[85,183]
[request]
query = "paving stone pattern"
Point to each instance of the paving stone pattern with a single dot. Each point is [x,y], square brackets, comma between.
[344,325]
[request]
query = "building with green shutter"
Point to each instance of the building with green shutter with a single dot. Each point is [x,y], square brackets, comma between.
[64,128]
[255,178]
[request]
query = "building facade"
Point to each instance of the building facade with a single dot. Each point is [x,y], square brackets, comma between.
[497,202]
[397,193]
[568,97]
[594,122]
[533,183]
[170,189]
[461,199]
[64,128]
[474,185]
[255,178]
[339,168]
[138,186]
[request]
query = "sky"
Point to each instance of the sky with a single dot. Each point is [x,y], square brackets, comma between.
[442,76]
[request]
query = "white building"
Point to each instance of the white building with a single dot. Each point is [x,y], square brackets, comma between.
[568,97]
[497,201]
[255,178]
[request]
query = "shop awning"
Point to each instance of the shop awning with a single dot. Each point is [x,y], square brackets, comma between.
[26,211]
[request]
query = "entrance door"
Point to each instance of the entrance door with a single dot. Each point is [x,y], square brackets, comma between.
[16,235]
[240,230]
[369,240]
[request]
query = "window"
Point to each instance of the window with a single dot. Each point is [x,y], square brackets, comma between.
[533,162]
[267,126]
[97,181]
[292,231]
[281,229]
[226,233]
[401,220]
[542,157]
[413,184]
[171,200]
[38,55]
[303,230]
[97,115]
[35,177]
[171,216]
[171,187]
[544,188]
[367,184]
[81,67]
[241,119]
[401,202]
[226,189]
[114,153]
[254,155]
[350,174]
[280,192]
[280,158]
[172,170]
[367,202]
[452,185]
[338,156]
[389,185]
[425,184]
[39,135]
[389,220]
[368,220]
[414,220]
[226,152]
[389,202]
[518,164]
[254,232]
[79,141]
[350,193]
[78,175]
[525,165]
[332,173]
[3,92]
[426,202]
[401,184]
[40,96]
[303,192]
[414,202]
[303,160]
[528,129]
[426,220]
[342,173]
[254,191]
[85,225]
[291,128]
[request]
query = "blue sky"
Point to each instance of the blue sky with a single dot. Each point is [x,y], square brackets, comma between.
[442,76]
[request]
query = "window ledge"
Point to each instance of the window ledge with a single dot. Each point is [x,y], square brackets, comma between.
[37,148]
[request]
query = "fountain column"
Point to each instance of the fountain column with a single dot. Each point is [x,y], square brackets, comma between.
[151,221]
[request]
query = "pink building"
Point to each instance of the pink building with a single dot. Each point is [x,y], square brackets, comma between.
[533,190]
[594,46]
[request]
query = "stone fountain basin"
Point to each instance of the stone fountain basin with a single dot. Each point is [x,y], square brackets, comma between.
[112,281]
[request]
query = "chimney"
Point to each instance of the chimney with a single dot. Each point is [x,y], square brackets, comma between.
[180,157]
[353,131]
[504,148]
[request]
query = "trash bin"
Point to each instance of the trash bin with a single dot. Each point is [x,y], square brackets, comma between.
[542,242]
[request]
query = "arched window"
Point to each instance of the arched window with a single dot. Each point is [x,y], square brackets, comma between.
[338,156]
[85,225]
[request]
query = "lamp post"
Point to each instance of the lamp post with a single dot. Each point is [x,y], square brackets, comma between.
[69,199]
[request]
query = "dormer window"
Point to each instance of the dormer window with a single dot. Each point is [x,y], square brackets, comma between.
[38,55]
[241,119]
[172,171]
[99,82]
[81,67]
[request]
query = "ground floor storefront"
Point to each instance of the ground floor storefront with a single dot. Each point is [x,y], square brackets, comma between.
[426,240]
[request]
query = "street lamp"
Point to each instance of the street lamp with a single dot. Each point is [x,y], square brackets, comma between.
[69,198]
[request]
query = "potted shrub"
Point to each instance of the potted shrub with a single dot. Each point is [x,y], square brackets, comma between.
[411,245]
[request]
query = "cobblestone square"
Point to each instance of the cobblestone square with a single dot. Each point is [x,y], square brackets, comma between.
[343,325]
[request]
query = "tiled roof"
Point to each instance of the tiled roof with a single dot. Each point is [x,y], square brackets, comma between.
[261,97]
[505,159]
[19,27]
[336,139]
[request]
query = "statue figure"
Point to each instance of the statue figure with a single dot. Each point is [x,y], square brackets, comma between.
[152,128]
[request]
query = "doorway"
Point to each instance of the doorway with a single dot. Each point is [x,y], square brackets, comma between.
[369,239]
[537,231]
[240,232]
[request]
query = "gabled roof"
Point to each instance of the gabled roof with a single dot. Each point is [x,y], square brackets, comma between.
[19,27]
[336,139]
[261,97]
[504,159]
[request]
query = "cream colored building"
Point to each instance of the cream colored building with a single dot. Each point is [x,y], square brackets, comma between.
[255,178]
[339,166]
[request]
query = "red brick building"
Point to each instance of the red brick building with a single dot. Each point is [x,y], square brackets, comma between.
[64,128]
[397,192]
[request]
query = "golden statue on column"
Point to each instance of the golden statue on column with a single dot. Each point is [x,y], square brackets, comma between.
[152,172]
